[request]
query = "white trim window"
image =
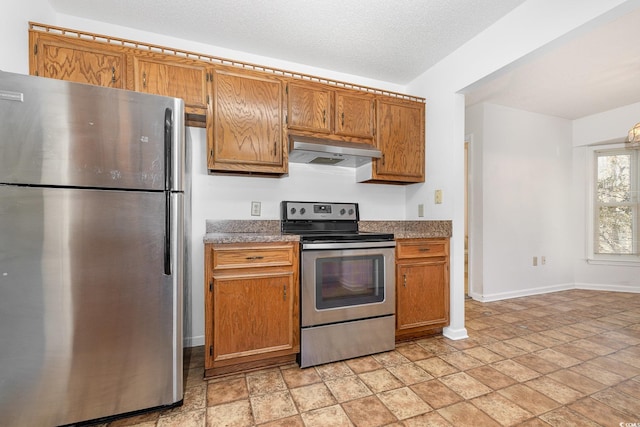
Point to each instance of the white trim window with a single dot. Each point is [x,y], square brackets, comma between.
[615,224]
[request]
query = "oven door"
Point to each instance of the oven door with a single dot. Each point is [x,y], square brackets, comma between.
[346,284]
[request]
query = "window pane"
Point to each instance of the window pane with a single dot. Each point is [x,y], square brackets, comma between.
[614,178]
[615,230]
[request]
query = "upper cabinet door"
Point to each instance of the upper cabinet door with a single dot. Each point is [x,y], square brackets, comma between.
[162,76]
[400,137]
[321,111]
[248,123]
[309,107]
[354,114]
[77,61]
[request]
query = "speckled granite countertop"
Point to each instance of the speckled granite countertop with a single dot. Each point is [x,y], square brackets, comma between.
[409,229]
[247,231]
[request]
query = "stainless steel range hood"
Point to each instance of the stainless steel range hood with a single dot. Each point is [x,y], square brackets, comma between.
[329,152]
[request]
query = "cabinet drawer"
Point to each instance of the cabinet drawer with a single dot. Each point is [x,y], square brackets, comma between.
[422,248]
[247,256]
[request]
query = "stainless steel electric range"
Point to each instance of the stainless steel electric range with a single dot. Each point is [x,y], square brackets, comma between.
[347,306]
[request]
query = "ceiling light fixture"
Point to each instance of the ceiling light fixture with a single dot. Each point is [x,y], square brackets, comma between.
[633,140]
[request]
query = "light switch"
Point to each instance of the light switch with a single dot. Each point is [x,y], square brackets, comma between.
[420,210]
[438,197]
[255,208]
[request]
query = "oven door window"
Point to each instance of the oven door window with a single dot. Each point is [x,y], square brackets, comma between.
[349,280]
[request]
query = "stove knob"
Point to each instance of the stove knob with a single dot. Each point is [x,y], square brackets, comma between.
[342,211]
[293,211]
[350,211]
[302,211]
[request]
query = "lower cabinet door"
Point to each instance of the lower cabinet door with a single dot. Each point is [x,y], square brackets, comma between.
[422,295]
[252,315]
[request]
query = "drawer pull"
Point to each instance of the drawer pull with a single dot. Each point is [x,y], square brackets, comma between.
[424,249]
[251,258]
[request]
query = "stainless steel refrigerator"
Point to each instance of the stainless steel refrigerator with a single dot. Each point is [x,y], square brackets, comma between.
[94,220]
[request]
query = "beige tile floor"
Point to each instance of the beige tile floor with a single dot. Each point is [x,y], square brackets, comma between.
[569,358]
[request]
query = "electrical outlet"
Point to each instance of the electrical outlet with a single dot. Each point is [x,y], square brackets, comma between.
[543,260]
[535,261]
[255,208]
[420,210]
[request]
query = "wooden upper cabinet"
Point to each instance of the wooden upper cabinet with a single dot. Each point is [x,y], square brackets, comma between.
[248,111]
[163,75]
[354,114]
[321,111]
[309,107]
[248,122]
[80,61]
[400,137]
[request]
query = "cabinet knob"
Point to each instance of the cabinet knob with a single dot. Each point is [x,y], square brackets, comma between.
[404,281]
[343,119]
[113,74]
[324,116]
[144,80]
[284,292]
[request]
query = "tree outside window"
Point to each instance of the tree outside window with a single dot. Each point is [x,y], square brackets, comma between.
[616,202]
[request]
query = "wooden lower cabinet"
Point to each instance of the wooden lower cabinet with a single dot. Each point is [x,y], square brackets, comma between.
[422,286]
[251,306]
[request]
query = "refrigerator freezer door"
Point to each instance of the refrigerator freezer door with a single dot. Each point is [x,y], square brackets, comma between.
[62,133]
[90,326]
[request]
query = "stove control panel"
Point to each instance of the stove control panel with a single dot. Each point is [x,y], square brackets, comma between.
[319,211]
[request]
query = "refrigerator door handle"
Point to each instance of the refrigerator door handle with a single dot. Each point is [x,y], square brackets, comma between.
[167,234]
[168,146]
[168,143]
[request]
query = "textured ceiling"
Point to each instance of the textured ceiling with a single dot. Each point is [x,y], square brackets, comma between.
[396,41]
[388,40]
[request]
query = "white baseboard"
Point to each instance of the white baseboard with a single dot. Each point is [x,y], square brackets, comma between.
[613,288]
[193,341]
[555,288]
[455,334]
[522,293]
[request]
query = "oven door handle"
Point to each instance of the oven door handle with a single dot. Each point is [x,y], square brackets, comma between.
[349,245]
